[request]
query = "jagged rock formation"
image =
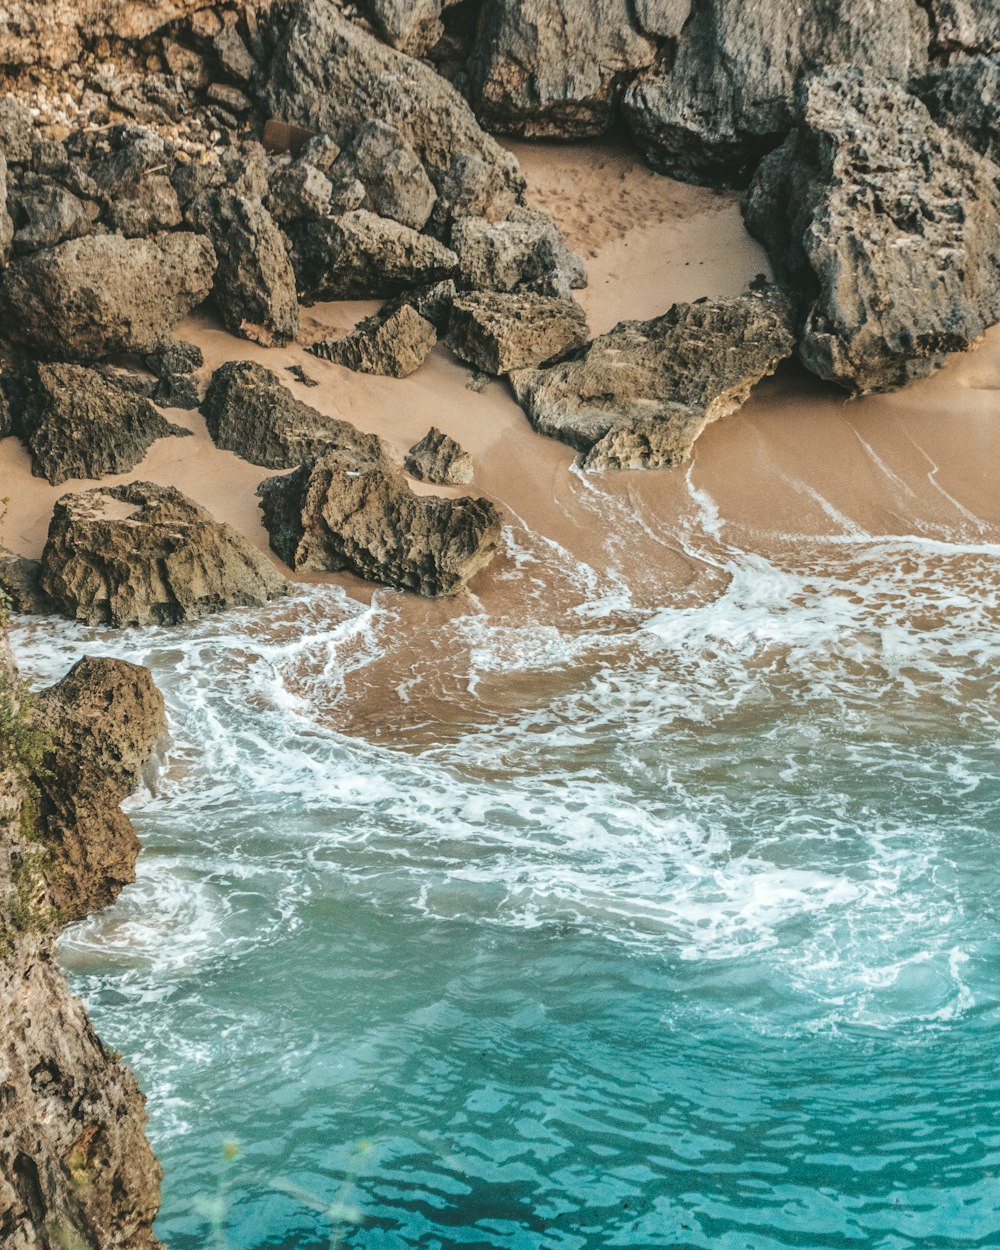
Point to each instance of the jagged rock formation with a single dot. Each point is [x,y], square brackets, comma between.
[94,297]
[524,253]
[339,512]
[727,96]
[144,554]
[889,228]
[80,423]
[438,459]
[498,333]
[394,346]
[249,411]
[395,182]
[75,1167]
[639,396]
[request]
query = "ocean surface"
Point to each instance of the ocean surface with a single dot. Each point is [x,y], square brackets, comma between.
[623,918]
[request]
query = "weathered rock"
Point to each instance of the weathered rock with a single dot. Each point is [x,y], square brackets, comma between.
[413,26]
[498,332]
[362,256]
[964,97]
[663,19]
[6,224]
[396,184]
[727,97]
[433,303]
[331,514]
[20,584]
[177,390]
[151,206]
[965,25]
[79,423]
[249,411]
[888,227]
[471,187]
[554,67]
[525,253]
[15,130]
[327,74]
[639,396]
[144,554]
[254,284]
[394,346]
[95,297]
[300,192]
[47,214]
[175,357]
[438,459]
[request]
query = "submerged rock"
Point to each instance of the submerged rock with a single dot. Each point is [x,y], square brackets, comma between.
[438,459]
[336,513]
[249,411]
[888,226]
[80,423]
[500,332]
[144,554]
[394,346]
[639,396]
[94,297]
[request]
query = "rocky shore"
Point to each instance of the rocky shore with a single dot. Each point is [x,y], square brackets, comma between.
[251,163]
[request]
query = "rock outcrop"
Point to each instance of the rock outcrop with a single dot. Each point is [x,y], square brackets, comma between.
[143,554]
[97,296]
[639,396]
[888,226]
[339,513]
[79,423]
[438,459]
[249,411]
[498,333]
[394,346]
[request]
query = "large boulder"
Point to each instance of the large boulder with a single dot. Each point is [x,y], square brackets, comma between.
[249,411]
[362,256]
[396,184]
[887,226]
[639,396]
[48,214]
[525,253]
[439,459]
[98,296]
[393,346]
[497,333]
[254,284]
[336,513]
[144,554]
[80,423]
[555,67]
[728,96]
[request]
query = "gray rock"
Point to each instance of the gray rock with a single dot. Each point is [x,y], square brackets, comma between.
[639,396]
[394,346]
[143,554]
[177,390]
[175,357]
[396,184]
[362,256]
[412,26]
[48,214]
[965,25]
[433,303]
[320,152]
[20,584]
[526,253]
[79,423]
[471,187]
[438,459]
[151,205]
[663,19]
[16,129]
[254,284]
[727,97]
[497,333]
[300,192]
[333,514]
[249,411]
[964,97]
[6,223]
[234,55]
[95,297]
[887,226]
[554,68]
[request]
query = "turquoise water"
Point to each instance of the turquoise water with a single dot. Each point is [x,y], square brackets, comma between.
[692,941]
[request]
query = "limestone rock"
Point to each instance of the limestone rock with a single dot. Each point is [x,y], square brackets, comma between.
[362,256]
[79,423]
[149,206]
[663,19]
[641,394]
[554,68]
[433,303]
[6,224]
[47,214]
[525,253]
[413,26]
[728,96]
[95,297]
[332,515]
[888,226]
[177,390]
[497,333]
[393,346]
[143,554]
[249,411]
[438,459]
[300,192]
[254,284]
[965,25]
[964,98]
[396,184]
[19,584]
[174,358]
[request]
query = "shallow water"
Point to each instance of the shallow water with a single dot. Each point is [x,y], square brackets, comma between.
[646,920]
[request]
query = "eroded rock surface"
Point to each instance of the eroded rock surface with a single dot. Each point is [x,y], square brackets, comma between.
[964,97]
[393,346]
[498,333]
[888,226]
[524,253]
[439,459]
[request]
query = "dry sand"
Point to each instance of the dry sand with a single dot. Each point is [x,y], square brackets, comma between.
[800,459]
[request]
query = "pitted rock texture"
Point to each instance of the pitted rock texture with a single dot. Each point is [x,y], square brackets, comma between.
[20,583]
[249,411]
[396,184]
[95,297]
[965,25]
[438,459]
[497,333]
[331,515]
[524,253]
[639,396]
[964,98]
[728,96]
[393,346]
[79,423]
[887,226]
[144,554]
